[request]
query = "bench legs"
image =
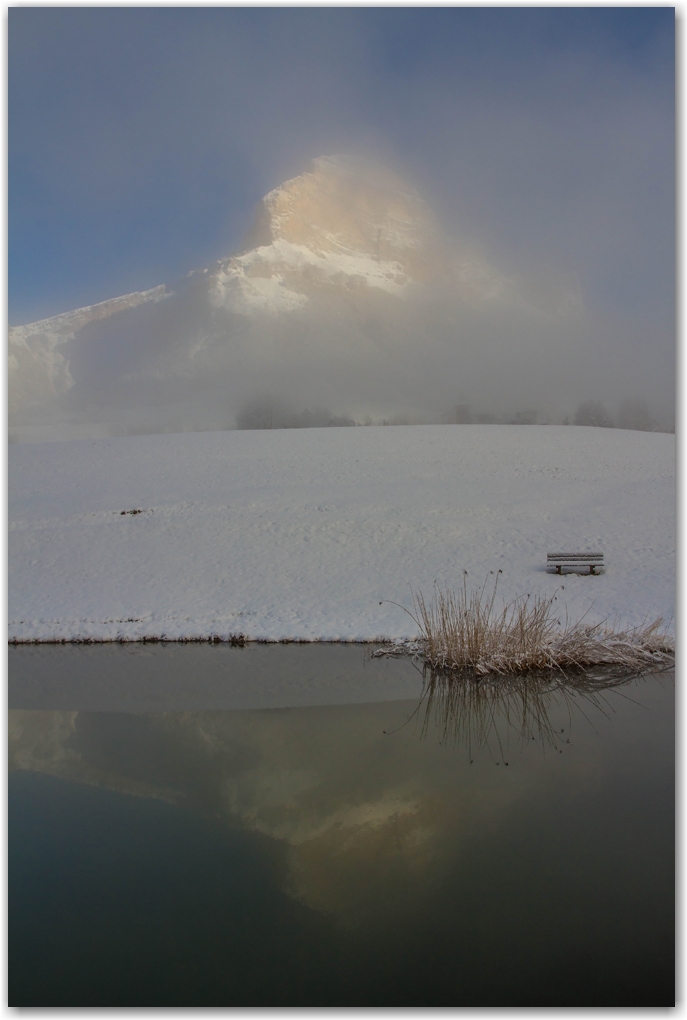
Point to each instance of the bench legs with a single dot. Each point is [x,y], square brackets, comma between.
[592,568]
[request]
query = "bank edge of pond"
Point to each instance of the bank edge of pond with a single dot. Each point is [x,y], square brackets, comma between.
[233,640]
[384,649]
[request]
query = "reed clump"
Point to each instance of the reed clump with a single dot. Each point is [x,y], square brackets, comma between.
[465,631]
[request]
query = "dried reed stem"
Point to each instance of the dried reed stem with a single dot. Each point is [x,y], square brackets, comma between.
[465,631]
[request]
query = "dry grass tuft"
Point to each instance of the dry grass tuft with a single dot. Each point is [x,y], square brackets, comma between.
[466,632]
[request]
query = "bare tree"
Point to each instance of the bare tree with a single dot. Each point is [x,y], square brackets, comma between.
[524,418]
[461,414]
[633,413]
[262,412]
[593,413]
[269,412]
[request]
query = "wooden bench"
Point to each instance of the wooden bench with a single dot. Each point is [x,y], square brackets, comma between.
[575,560]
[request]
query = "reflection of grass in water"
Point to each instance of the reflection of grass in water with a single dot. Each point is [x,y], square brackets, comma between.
[468,709]
[464,630]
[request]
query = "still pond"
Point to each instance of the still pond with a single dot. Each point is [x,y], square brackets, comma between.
[196,825]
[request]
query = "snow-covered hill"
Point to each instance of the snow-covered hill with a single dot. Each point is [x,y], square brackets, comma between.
[305,534]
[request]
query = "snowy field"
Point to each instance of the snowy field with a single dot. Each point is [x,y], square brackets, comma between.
[301,533]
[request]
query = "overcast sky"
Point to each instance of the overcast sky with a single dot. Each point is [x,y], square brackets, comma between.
[140,139]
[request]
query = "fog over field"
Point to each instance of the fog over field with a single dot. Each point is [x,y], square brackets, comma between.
[486,234]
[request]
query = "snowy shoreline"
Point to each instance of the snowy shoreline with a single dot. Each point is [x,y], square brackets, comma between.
[310,535]
[233,640]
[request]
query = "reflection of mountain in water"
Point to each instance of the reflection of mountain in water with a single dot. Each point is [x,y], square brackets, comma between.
[278,773]
[370,822]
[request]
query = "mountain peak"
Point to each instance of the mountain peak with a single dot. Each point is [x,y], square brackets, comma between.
[345,221]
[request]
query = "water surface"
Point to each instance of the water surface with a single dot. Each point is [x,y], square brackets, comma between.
[182,836]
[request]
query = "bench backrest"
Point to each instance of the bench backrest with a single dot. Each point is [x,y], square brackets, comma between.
[575,557]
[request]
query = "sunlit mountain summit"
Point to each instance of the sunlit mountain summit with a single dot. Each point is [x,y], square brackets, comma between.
[344,223]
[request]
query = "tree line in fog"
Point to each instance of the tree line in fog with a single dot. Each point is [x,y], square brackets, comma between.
[270,412]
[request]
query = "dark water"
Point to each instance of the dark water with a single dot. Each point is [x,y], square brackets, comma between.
[177,840]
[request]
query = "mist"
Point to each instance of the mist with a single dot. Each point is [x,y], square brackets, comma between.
[543,139]
[363,357]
